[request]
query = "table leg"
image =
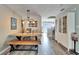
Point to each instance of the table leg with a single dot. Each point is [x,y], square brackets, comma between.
[18,37]
[36,46]
[35,37]
[12,48]
[37,49]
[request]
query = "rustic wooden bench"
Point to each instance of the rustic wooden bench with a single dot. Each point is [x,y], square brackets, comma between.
[13,43]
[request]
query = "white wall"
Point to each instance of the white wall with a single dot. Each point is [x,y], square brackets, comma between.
[65,38]
[74,27]
[71,28]
[61,37]
[75,8]
[77,26]
[5,28]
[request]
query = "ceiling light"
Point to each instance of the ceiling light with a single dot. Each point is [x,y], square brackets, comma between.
[33,22]
[23,22]
[27,21]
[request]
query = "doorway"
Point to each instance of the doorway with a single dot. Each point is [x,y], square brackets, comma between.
[48,28]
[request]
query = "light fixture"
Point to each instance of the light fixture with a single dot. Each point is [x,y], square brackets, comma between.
[27,21]
[28,14]
[23,22]
[33,22]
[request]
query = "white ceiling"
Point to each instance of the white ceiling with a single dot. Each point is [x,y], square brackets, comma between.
[43,10]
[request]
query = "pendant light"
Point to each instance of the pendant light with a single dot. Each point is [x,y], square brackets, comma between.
[28,14]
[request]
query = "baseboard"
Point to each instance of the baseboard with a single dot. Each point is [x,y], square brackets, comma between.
[70,51]
[5,51]
[62,46]
[56,41]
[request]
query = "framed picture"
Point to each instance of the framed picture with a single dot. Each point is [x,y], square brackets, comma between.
[65,24]
[13,23]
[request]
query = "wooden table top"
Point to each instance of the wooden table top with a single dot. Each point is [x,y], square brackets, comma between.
[25,34]
[24,42]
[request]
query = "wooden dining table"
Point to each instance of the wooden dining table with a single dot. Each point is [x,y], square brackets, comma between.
[35,42]
[19,35]
[26,34]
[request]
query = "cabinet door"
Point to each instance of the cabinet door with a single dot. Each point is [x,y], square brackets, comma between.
[65,24]
[60,25]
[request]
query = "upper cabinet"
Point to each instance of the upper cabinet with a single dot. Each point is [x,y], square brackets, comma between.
[60,25]
[65,24]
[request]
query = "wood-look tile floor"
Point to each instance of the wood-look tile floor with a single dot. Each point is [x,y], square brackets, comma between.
[47,47]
